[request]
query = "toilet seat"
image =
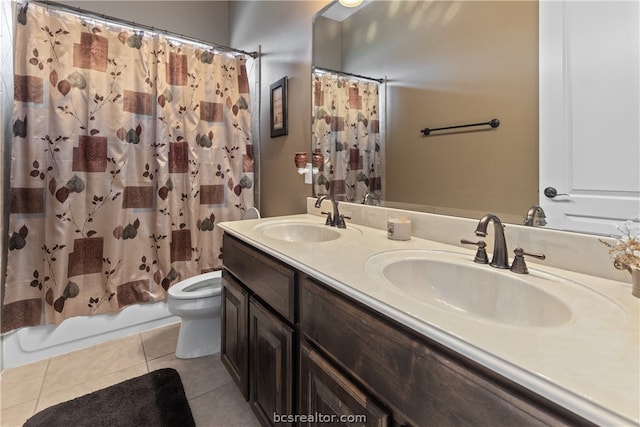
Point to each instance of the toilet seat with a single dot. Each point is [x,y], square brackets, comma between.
[205,285]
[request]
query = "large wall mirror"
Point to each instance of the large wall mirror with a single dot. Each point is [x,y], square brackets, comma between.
[451,63]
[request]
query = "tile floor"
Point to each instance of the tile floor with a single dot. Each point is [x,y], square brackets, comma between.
[212,394]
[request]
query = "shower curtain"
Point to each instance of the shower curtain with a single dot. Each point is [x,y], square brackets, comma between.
[128,148]
[346,131]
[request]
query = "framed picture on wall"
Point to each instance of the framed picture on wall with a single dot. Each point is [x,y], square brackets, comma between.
[279,108]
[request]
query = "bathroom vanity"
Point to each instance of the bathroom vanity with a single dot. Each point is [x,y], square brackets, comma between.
[308,328]
[258,327]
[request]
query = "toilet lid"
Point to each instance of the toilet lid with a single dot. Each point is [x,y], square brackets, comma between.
[201,286]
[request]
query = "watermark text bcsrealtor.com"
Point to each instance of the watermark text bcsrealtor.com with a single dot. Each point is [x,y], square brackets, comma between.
[319,418]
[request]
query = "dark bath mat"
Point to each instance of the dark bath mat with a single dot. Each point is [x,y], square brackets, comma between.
[154,399]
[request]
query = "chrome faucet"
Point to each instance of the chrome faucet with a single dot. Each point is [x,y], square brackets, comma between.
[500,257]
[535,217]
[371,198]
[331,220]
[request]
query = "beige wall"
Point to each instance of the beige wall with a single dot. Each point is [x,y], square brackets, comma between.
[452,63]
[327,43]
[283,29]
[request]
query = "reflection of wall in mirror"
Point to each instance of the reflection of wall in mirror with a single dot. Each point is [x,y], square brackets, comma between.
[326,43]
[451,63]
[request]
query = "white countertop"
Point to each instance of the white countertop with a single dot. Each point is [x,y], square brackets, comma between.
[589,365]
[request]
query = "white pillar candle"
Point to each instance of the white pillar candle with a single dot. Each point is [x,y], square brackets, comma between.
[398,228]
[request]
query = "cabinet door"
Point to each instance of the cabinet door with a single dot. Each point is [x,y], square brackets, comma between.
[328,397]
[234,352]
[271,365]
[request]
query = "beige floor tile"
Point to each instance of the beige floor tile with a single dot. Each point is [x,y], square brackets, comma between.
[213,396]
[22,384]
[80,389]
[15,416]
[223,407]
[85,365]
[199,375]
[161,341]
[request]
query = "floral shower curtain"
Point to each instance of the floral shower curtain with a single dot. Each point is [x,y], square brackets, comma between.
[128,147]
[346,131]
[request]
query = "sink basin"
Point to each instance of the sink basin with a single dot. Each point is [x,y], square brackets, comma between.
[457,285]
[298,231]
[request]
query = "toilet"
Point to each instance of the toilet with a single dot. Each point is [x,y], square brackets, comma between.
[197,301]
[251,213]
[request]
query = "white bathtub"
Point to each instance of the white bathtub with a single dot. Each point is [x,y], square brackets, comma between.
[35,343]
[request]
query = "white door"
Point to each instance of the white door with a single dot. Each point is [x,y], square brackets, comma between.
[590,113]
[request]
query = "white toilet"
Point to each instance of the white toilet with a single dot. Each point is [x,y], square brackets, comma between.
[197,301]
[251,213]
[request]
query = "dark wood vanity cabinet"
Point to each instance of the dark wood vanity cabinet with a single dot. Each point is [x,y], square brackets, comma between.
[420,382]
[258,328]
[296,346]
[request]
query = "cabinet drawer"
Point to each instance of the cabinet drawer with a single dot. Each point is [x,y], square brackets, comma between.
[324,390]
[424,384]
[272,281]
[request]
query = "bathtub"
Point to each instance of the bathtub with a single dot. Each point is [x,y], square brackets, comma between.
[35,343]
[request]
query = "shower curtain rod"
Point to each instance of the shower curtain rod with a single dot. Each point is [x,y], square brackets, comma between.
[349,74]
[134,25]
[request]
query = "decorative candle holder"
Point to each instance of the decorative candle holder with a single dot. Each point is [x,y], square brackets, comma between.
[317,160]
[301,159]
[303,167]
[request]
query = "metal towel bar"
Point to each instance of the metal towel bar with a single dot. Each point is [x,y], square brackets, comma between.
[494,123]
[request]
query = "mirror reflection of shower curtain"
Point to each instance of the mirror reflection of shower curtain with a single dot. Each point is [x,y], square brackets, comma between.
[128,148]
[346,127]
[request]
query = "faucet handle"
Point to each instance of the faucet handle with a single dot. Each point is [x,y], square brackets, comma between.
[519,265]
[329,220]
[340,223]
[481,256]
